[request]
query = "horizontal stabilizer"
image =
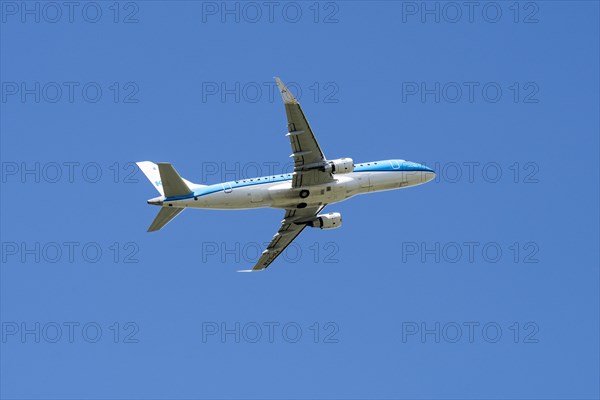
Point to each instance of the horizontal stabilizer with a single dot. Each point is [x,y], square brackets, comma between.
[165,215]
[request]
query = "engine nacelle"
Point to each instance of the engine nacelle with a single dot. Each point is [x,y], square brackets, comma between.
[340,166]
[331,220]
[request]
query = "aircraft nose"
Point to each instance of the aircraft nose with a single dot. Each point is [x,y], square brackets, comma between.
[427,173]
[428,176]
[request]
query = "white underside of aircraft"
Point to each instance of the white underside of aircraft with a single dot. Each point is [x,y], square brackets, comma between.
[303,194]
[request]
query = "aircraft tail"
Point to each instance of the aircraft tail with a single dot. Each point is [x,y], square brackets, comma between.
[169,184]
[163,174]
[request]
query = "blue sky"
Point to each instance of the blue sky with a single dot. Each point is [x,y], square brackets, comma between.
[481,284]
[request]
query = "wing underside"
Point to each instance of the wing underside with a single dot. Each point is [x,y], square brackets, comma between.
[306,152]
[292,225]
[309,161]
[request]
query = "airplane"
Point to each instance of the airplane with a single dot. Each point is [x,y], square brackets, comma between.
[315,183]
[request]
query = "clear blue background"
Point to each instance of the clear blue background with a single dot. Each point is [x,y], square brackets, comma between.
[370,292]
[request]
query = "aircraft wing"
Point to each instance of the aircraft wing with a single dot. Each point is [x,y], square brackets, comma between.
[286,234]
[306,151]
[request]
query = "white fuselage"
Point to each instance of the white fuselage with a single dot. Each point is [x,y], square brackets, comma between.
[276,191]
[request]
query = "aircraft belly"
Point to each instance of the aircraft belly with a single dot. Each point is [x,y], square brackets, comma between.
[285,196]
[238,198]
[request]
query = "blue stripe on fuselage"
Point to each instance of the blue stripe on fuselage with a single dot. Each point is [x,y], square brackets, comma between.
[373,166]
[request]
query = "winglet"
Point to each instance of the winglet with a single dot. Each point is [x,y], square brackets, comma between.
[288,97]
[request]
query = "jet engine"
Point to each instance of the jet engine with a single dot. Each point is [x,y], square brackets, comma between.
[340,166]
[331,220]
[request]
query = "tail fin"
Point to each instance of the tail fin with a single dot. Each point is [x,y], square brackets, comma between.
[172,183]
[165,215]
[168,182]
[154,173]
[151,171]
